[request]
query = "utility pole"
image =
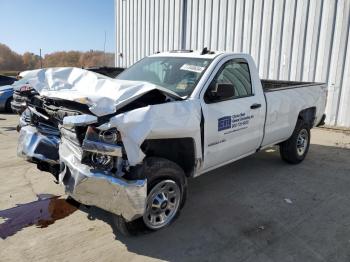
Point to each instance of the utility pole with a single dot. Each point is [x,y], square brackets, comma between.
[104,49]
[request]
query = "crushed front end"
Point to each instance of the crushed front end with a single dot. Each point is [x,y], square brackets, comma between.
[88,130]
[63,138]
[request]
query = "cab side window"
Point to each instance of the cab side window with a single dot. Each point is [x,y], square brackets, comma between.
[232,81]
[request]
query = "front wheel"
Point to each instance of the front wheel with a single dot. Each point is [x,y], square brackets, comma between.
[166,195]
[8,105]
[162,204]
[295,149]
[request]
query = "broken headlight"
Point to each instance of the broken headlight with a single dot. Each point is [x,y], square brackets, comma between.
[100,161]
[110,136]
[102,149]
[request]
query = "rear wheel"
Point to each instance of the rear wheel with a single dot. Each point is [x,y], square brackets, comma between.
[166,195]
[295,149]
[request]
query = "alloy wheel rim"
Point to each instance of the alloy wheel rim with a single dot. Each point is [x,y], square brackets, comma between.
[162,204]
[302,142]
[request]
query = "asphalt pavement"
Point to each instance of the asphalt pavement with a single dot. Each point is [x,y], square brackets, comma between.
[257,209]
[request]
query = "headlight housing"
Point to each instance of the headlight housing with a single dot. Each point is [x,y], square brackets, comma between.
[110,136]
[101,161]
[102,149]
[25,88]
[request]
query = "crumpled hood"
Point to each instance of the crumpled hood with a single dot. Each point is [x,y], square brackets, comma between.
[103,95]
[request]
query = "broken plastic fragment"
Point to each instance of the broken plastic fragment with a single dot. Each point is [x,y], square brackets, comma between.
[80,120]
[288,201]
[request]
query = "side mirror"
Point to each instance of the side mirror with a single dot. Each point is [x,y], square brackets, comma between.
[220,92]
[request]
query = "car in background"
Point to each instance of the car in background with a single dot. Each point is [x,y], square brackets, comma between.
[6,92]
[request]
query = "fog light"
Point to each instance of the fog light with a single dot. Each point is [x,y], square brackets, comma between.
[101,161]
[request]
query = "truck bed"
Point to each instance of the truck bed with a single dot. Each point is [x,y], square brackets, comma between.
[276,85]
[284,106]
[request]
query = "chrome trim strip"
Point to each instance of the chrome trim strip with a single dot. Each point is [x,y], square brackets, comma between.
[33,110]
[79,120]
[103,148]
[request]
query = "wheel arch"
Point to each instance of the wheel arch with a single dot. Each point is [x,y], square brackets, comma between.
[179,150]
[8,102]
[308,116]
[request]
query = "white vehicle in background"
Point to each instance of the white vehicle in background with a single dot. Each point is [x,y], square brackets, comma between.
[128,145]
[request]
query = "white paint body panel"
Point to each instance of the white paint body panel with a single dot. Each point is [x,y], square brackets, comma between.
[283,107]
[271,123]
[223,146]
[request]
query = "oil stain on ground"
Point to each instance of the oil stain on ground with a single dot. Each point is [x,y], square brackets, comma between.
[41,213]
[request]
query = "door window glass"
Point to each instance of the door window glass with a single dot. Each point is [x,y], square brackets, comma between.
[234,74]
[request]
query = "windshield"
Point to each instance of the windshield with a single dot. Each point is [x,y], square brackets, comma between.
[178,74]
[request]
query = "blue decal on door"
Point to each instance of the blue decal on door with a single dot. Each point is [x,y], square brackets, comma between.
[224,123]
[236,122]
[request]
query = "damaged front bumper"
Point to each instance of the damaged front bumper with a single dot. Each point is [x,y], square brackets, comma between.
[86,185]
[35,147]
[101,189]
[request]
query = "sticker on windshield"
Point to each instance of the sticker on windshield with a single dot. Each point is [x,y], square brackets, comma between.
[192,68]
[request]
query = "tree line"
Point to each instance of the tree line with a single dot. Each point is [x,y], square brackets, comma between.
[10,60]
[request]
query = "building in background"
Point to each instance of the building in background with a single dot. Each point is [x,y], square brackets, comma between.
[302,40]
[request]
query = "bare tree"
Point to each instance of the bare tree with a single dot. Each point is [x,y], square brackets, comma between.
[10,60]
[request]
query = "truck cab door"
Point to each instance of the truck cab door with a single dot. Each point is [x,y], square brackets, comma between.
[234,114]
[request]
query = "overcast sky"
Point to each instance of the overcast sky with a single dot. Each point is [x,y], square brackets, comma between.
[57,25]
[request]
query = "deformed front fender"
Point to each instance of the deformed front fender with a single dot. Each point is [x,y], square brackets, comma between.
[176,119]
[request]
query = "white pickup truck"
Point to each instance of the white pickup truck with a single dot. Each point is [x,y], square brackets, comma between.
[128,145]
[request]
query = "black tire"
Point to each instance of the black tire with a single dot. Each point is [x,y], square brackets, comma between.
[290,149]
[8,105]
[155,170]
